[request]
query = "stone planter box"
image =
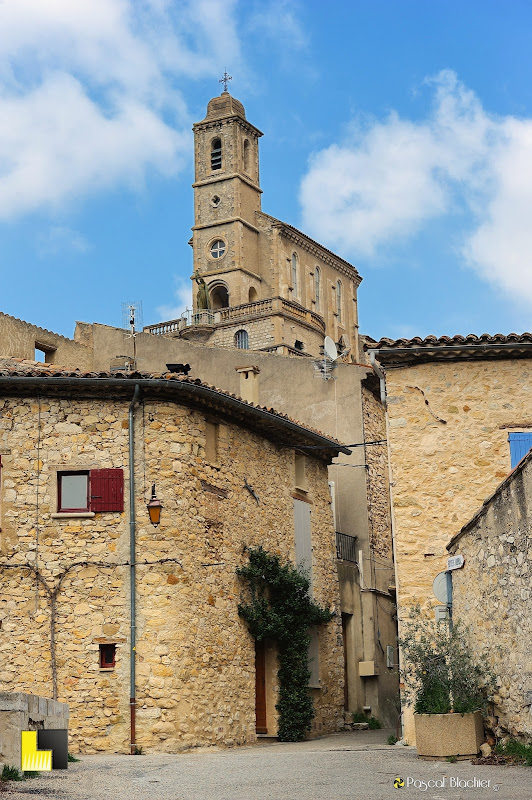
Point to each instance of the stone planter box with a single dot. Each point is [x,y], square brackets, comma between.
[443,735]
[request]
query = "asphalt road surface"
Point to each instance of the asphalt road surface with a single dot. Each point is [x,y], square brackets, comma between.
[338,767]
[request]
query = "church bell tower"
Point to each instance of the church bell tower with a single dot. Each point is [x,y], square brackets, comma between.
[226,201]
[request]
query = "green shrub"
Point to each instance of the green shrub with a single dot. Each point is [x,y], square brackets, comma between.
[280,608]
[72,758]
[440,671]
[522,752]
[11,774]
[392,739]
[373,722]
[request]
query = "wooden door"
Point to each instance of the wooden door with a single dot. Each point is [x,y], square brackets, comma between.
[344,641]
[260,687]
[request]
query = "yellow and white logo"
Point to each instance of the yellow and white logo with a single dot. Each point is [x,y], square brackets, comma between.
[34,760]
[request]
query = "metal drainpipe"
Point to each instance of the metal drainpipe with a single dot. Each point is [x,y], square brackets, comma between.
[132,576]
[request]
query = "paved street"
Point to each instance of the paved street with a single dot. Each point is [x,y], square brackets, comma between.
[338,767]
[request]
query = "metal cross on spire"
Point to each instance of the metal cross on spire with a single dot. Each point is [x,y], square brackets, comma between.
[225,79]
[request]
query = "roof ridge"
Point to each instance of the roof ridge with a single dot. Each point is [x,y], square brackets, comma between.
[38,370]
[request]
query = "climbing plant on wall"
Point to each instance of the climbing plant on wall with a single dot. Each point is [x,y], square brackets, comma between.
[279,607]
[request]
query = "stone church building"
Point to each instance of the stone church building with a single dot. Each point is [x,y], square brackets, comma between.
[269,286]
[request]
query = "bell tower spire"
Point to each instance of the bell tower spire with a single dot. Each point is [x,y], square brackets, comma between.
[226,194]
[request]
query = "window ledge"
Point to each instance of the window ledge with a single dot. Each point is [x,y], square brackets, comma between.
[106,669]
[65,514]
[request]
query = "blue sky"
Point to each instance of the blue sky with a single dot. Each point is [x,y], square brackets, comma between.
[397,132]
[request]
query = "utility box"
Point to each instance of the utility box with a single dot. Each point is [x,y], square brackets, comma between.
[367,669]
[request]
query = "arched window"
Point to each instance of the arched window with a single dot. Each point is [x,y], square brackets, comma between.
[219,297]
[252,295]
[317,285]
[294,274]
[339,300]
[216,154]
[246,155]
[242,340]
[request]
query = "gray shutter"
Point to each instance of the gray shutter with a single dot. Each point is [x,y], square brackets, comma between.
[302,537]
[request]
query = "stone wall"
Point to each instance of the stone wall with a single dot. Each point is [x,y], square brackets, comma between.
[448,439]
[377,475]
[449,425]
[19,339]
[26,712]
[492,594]
[195,658]
[260,334]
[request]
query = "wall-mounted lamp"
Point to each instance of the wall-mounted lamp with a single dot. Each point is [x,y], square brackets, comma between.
[154,508]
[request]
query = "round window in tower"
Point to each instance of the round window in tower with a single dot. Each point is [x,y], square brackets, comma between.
[217,248]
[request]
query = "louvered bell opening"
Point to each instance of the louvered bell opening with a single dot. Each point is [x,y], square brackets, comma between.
[216,154]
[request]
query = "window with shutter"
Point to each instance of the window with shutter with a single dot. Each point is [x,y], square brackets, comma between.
[107,490]
[83,491]
[520,444]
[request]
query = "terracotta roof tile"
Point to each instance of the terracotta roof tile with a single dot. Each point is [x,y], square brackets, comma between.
[431,341]
[15,367]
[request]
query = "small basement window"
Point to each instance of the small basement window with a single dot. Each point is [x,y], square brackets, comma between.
[107,656]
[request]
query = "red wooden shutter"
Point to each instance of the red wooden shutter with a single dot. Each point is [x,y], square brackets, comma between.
[107,490]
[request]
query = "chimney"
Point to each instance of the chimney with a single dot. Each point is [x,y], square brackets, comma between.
[249,383]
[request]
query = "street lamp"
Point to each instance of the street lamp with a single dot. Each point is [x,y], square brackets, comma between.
[154,508]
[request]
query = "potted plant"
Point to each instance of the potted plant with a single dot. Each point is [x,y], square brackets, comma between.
[447,687]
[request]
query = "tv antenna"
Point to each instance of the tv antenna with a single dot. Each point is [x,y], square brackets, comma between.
[326,365]
[132,320]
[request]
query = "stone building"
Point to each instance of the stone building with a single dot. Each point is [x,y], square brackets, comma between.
[274,292]
[79,454]
[454,408]
[492,591]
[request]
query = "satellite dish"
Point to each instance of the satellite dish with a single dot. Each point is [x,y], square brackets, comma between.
[440,588]
[329,348]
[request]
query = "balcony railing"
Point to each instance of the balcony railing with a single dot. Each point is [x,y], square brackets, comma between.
[235,314]
[187,319]
[346,547]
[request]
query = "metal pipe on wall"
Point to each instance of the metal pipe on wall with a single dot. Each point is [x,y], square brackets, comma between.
[132,559]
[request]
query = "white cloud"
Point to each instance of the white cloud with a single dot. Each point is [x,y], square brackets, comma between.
[88,95]
[500,249]
[390,178]
[278,20]
[183,298]
[59,239]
